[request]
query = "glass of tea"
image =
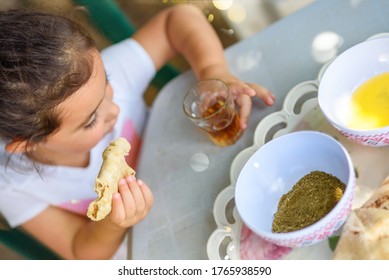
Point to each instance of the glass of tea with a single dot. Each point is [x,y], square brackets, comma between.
[210,106]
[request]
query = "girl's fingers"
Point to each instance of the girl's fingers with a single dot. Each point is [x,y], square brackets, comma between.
[117,213]
[251,89]
[138,198]
[237,88]
[147,194]
[131,203]
[137,203]
[263,93]
[244,102]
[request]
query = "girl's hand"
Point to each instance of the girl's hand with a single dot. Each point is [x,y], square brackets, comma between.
[132,203]
[242,93]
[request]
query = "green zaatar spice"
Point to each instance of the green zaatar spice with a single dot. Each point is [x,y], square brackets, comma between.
[310,199]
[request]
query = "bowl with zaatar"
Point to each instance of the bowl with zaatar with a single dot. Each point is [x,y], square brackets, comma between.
[297,189]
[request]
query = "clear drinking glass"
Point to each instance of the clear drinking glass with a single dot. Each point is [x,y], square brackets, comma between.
[210,106]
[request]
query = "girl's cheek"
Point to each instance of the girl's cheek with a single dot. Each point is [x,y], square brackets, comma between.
[95,135]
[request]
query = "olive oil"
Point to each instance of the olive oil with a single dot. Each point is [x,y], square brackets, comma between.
[369,106]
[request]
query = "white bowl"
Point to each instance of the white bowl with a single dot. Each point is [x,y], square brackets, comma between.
[273,170]
[347,72]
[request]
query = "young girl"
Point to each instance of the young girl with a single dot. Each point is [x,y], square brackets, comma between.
[62,102]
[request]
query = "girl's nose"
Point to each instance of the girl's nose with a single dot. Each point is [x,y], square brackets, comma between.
[109,92]
[112,109]
[113,112]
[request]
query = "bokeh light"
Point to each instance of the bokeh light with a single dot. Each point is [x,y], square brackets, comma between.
[325,46]
[237,13]
[222,4]
[211,17]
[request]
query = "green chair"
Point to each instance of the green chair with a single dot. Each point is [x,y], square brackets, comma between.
[114,24]
[24,244]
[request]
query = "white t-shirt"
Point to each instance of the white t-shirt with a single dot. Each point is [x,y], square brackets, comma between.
[23,195]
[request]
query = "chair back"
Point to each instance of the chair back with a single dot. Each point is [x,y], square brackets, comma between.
[115,25]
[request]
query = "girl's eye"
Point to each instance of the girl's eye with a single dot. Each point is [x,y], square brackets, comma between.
[92,122]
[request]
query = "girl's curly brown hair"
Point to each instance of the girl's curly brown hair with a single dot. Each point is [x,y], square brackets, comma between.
[44,59]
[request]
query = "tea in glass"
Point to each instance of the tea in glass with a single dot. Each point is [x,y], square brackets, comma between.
[210,106]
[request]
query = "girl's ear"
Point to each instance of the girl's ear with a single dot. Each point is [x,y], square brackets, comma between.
[16,146]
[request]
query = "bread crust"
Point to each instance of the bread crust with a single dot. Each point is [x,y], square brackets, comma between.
[365,235]
[113,168]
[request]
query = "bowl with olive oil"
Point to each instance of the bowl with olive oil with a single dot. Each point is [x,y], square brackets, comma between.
[354,92]
[297,189]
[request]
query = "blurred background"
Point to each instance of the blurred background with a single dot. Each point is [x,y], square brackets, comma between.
[233,20]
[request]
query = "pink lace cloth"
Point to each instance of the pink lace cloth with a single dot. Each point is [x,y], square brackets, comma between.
[253,247]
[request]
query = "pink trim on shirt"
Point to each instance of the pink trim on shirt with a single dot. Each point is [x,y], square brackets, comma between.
[129,132]
[77,206]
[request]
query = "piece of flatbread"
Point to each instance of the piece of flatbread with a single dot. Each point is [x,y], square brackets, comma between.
[365,235]
[114,168]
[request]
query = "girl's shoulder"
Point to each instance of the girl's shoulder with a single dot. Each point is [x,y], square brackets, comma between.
[128,65]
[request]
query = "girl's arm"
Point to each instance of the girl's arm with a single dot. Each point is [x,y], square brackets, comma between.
[183,29]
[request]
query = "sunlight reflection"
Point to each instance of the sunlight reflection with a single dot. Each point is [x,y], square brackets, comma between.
[384,58]
[199,162]
[342,109]
[211,17]
[237,13]
[248,60]
[229,31]
[325,46]
[222,4]
[355,3]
